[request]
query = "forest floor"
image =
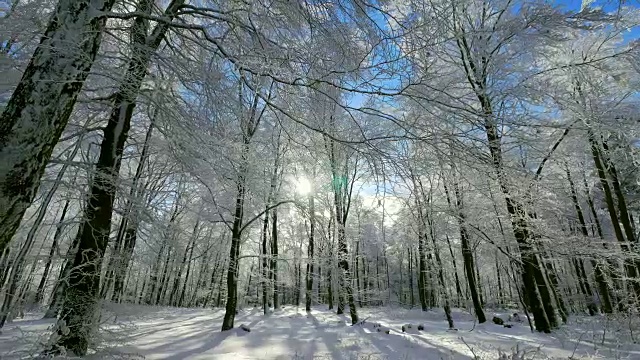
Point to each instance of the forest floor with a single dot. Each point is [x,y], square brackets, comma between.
[144,332]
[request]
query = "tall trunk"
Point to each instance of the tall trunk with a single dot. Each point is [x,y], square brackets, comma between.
[130,237]
[274,257]
[609,265]
[478,81]
[155,272]
[270,199]
[57,298]
[546,289]
[127,233]
[248,291]
[411,292]
[500,291]
[52,251]
[220,288]
[422,283]
[234,252]
[603,287]
[5,266]
[357,270]
[455,272]
[167,271]
[625,216]
[201,282]
[310,249]
[553,279]
[13,295]
[378,287]
[35,116]
[18,261]
[189,261]
[107,279]
[264,264]
[443,287]
[79,313]
[298,287]
[343,263]
[365,286]
[467,254]
[520,230]
[212,281]
[332,236]
[629,266]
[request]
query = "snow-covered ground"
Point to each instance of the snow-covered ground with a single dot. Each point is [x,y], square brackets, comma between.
[291,333]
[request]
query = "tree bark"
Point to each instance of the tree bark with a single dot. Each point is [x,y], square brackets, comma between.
[127,234]
[35,116]
[234,251]
[264,265]
[310,253]
[467,254]
[629,265]
[603,287]
[52,251]
[80,306]
[274,258]
[196,229]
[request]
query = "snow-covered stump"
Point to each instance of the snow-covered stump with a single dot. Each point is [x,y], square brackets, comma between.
[245,328]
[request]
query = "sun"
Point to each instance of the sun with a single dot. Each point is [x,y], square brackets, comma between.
[303,186]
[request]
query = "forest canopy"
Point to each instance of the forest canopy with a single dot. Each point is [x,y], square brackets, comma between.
[349,153]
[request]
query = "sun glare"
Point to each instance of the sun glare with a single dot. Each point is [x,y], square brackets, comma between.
[303,186]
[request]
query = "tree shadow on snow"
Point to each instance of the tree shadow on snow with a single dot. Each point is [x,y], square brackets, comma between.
[397,345]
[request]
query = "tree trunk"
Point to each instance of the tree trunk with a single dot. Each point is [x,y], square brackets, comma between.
[167,271]
[357,270]
[186,276]
[346,276]
[212,282]
[18,262]
[264,264]
[411,292]
[234,252]
[81,300]
[52,251]
[478,82]
[201,282]
[35,116]
[310,250]
[332,235]
[520,230]
[553,279]
[443,290]
[599,273]
[57,299]
[629,266]
[155,273]
[274,258]
[220,288]
[422,278]
[467,254]
[455,272]
[127,234]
